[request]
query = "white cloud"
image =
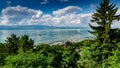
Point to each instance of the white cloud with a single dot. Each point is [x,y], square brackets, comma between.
[116,23]
[72,19]
[45,19]
[67,10]
[68,16]
[118,12]
[44,2]
[13,15]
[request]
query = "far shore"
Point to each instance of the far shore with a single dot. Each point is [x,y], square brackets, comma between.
[60,42]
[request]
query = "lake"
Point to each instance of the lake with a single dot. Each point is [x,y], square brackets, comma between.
[47,35]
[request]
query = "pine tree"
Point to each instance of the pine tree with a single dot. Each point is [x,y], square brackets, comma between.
[104,17]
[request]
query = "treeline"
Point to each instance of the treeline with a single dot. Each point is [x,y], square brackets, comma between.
[20,52]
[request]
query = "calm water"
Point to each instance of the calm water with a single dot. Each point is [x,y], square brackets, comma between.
[48,35]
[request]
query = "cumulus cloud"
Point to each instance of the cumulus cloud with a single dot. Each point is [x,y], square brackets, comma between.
[67,10]
[68,16]
[15,15]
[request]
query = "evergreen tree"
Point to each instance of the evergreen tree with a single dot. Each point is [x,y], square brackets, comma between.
[12,44]
[104,17]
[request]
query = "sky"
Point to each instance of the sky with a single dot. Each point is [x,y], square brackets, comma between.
[49,12]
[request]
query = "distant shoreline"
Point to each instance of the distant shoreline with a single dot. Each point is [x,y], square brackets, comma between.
[60,42]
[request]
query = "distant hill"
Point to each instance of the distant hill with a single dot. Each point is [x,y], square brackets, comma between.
[34,27]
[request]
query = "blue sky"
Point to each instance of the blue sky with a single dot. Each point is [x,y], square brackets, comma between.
[47,6]
[48,12]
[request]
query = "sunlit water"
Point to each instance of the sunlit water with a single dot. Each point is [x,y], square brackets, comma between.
[47,35]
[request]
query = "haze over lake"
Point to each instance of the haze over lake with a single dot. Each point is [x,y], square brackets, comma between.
[43,34]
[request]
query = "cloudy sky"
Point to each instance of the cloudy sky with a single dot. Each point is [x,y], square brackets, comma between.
[48,12]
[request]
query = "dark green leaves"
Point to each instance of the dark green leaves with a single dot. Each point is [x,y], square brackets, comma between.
[104,16]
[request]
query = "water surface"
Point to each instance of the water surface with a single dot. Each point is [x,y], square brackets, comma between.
[47,35]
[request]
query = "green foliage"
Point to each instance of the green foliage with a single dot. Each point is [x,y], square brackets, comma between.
[26,43]
[86,59]
[62,57]
[12,44]
[104,16]
[114,61]
[15,44]
[69,57]
[115,34]
[102,52]
[54,52]
[44,56]
[76,55]
[89,57]
[3,53]
[25,60]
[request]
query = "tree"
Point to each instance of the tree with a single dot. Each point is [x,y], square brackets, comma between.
[12,44]
[104,17]
[26,43]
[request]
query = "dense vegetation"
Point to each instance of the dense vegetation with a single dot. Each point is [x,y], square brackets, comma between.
[101,52]
[21,52]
